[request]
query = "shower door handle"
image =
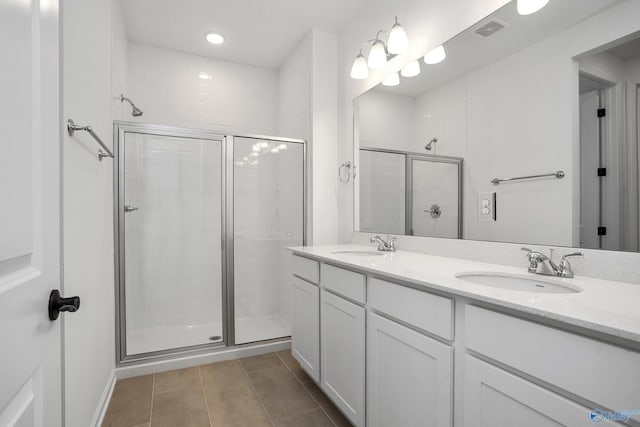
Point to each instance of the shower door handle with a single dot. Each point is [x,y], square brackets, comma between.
[129,208]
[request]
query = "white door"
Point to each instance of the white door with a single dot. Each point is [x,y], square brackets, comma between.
[409,377]
[496,398]
[342,329]
[30,130]
[305,337]
[589,163]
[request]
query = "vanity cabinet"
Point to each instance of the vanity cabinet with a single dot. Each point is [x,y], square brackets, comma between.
[409,377]
[305,343]
[342,344]
[431,354]
[496,398]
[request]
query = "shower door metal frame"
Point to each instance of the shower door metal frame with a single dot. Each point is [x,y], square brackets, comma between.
[120,128]
[408,174]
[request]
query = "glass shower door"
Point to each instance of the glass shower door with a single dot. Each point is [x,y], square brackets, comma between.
[435,197]
[268,216]
[171,206]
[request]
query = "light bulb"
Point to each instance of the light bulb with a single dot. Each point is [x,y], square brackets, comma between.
[359,69]
[411,69]
[391,80]
[527,7]
[264,145]
[398,41]
[274,150]
[282,146]
[214,38]
[377,55]
[435,55]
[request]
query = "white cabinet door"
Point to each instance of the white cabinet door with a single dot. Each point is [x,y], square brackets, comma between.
[496,398]
[409,377]
[342,333]
[30,365]
[305,345]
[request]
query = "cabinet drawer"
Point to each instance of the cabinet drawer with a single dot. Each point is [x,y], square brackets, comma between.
[425,311]
[599,372]
[344,282]
[305,268]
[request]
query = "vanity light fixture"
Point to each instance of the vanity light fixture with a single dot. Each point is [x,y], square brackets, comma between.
[360,69]
[214,38]
[398,42]
[412,69]
[435,55]
[379,51]
[527,7]
[377,55]
[391,80]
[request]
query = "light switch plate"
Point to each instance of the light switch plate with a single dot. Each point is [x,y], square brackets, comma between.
[487,206]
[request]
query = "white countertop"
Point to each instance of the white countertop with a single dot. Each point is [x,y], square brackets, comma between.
[605,306]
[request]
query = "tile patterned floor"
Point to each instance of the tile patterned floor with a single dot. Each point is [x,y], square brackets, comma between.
[269,390]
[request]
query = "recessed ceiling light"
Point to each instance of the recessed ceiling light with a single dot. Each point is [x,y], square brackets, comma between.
[204,76]
[214,38]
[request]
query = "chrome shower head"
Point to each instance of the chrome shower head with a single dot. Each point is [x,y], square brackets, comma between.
[136,111]
[429,145]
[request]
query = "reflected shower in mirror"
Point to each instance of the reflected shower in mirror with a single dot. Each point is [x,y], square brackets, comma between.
[526,132]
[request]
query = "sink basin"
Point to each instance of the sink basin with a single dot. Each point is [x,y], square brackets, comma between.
[364,253]
[516,282]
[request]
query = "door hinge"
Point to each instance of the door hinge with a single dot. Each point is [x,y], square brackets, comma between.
[602,231]
[602,171]
[602,112]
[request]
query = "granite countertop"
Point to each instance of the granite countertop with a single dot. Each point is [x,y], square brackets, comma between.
[604,306]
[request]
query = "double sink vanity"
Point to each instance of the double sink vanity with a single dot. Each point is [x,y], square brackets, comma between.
[408,339]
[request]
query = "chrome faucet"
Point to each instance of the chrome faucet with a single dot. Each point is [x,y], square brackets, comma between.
[539,263]
[386,246]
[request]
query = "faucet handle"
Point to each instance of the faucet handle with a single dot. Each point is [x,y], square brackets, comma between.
[391,241]
[565,267]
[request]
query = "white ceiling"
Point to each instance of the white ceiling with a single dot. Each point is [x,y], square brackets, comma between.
[257,32]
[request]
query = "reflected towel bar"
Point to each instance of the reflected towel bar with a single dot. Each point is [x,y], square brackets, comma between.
[558,174]
[72,127]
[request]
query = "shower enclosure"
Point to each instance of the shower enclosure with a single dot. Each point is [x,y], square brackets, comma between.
[202,223]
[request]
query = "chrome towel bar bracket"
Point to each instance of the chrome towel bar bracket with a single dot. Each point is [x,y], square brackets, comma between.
[558,174]
[72,127]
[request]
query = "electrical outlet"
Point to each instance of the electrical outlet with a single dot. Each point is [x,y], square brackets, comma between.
[486,206]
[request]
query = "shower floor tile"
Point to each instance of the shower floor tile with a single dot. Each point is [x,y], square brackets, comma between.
[267,390]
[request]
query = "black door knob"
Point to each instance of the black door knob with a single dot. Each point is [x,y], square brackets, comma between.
[58,304]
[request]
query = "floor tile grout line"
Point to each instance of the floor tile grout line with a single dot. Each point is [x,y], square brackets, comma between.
[307,391]
[204,393]
[253,387]
[153,386]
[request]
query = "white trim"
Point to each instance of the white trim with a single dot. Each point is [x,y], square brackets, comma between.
[200,359]
[101,410]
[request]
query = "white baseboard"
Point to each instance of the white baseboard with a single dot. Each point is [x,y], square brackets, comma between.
[200,359]
[101,411]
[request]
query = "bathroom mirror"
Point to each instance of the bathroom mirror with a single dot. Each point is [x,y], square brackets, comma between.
[526,132]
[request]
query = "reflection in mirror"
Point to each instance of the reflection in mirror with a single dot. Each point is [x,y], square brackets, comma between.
[526,132]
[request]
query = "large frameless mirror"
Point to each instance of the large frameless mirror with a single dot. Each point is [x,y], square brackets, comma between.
[526,132]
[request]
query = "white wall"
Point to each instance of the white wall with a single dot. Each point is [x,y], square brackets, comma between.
[88,208]
[324,133]
[294,92]
[611,24]
[165,85]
